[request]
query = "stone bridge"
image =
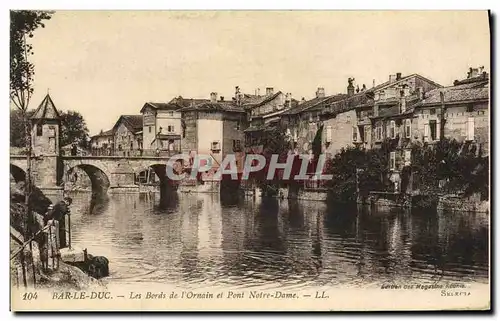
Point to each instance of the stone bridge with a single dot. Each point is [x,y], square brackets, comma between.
[106,173]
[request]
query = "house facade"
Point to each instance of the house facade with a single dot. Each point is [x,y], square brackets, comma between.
[128,135]
[103,143]
[162,126]
[214,128]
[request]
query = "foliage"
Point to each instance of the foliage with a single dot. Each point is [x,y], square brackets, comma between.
[23,23]
[17,128]
[74,129]
[354,168]
[450,167]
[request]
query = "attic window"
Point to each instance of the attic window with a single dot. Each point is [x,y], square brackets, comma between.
[470,108]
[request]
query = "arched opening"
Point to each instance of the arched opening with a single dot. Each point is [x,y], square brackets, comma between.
[17,174]
[99,181]
[158,181]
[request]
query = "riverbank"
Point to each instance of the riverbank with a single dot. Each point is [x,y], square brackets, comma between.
[26,263]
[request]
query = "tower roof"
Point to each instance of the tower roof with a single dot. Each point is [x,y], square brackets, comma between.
[46,110]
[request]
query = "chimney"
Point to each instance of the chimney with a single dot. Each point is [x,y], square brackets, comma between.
[402,102]
[398,76]
[392,78]
[258,92]
[269,91]
[221,98]
[364,87]
[420,93]
[288,102]
[213,97]
[320,93]
[474,72]
[373,83]
[350,86]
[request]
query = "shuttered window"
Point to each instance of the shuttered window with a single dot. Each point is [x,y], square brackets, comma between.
[470,128]
[392,160]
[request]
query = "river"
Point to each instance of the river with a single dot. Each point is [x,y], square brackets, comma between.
[199,241]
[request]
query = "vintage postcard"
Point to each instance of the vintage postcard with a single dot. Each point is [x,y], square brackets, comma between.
[249,160]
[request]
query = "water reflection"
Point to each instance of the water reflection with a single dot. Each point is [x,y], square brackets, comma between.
[201,239]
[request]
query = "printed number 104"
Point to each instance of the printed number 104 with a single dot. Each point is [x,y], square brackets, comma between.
[30,296]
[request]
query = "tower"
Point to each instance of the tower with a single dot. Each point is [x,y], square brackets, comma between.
[45,135]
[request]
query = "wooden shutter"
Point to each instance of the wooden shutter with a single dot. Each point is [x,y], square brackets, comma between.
[470,128]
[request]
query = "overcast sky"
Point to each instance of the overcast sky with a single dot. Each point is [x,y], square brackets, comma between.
[105,64]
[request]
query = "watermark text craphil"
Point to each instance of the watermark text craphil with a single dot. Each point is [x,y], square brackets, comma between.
[237,167]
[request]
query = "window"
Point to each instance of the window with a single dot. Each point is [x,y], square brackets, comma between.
[388,130]
[426,131]
[171,113]
[170,128]
[470,128]
[408,128]
[131,146]
[39,130]
[236,145]
[393,129]
[354,134]
[367,134]
[407,157]
[150,128]
[329,134]
[238,125]
[470,108]
[392,160]
[432,111]
[433,129]
[379,133]
[215,146]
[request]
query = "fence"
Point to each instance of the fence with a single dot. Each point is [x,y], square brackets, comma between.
[133,152]
[49,254]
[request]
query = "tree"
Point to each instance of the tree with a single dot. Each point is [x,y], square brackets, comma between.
[17,128]
[23,23]
[74,129]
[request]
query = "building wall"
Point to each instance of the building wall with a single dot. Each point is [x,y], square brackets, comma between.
[209,129]
[274,105]
[149,129]
[189,141]
[341,132]
[48,142]
[99,142]
[233,130]
[165,118]
[126,139]
[456,123]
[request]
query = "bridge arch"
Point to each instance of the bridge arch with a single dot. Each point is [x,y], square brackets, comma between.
[99,178]
[17,173]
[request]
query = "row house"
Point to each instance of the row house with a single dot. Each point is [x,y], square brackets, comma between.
[214,128]
[303,123]
[426,116]
[128,135]
[104,141]
[162,127]
[263,112]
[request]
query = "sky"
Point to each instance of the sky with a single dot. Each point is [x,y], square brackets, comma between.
[104,64]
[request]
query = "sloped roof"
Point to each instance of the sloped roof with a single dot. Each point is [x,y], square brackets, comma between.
[402,79]
[132,122]
[250,101]
[161,106]
[345,103]
[314,104]
[457,94]
[109,132]
[46,110]
[216,106]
